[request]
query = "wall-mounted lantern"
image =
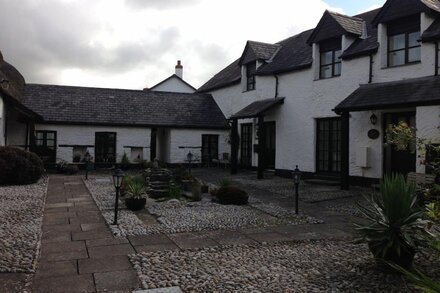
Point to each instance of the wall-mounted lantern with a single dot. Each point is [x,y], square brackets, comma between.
[373,119]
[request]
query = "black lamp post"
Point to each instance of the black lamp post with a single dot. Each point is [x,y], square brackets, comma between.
[117,181]
[189,158]
[87,159]
[296,179]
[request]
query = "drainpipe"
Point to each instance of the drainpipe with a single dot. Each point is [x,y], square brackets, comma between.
[276,85]
[436,58]
[370,74]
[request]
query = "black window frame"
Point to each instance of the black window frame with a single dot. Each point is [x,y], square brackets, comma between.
[333,46]
[211,140]
[246,144]
[42,149]
[97,158]
[251,68]
[406,49]
[332,139]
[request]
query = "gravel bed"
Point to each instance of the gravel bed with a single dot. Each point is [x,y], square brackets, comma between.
[103,192]
[21,217]
[322,266]
[289,215]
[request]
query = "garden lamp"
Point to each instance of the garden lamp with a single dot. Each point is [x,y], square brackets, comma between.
[189,158]
[296,180]
[117,182]
[87,158]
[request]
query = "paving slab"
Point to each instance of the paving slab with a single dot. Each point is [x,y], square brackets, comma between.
[119,280]
[230,238]
[101,265]
[192,240]
[50,236]
[86,220]
[63,227]
[105,251]
[63,247]
[268,237]
[12,282]
[59,268]
[91,235]
[149,239]
[105,241]
[59,205]
[64,284]
[55,221]
[94,227]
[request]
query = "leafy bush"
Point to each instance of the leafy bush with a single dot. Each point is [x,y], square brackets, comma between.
[225,182]
[174,191]
[232,195]
[19,167]
[136,189]
[71,169]
[394,222]
[180,174]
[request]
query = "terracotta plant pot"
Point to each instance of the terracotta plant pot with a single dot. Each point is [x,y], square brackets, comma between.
[135,204]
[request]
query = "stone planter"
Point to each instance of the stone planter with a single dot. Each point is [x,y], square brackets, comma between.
[135,204]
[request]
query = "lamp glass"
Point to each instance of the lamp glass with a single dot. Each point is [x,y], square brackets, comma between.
[117,178]
[373,119]
[189,156]
[296,175]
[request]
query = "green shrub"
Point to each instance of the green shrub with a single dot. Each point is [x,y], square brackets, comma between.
[232,195]
[136,189]
[19,167]
[225,182]
[394,222]
[174,191]
[71,169]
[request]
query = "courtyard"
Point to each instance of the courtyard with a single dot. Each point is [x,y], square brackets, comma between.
[189,246]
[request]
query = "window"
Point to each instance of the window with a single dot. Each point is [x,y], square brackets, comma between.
[209,148]
[328,145]
[330,58]
[403,41]
[45,145]
[105,147]
[250,76]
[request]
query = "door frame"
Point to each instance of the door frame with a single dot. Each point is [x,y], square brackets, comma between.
[250,145]
[270,123]
[114,145]
[330,151]
[209,136]
[55,147]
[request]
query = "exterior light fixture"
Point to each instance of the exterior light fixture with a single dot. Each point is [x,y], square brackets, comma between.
[189,159]
[296,180]
[118,175]
[373,119]
[87,158]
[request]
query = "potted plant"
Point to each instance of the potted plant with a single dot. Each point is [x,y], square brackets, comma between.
[136,196]
[394,222]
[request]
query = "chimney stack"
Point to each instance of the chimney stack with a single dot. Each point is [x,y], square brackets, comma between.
[179,69]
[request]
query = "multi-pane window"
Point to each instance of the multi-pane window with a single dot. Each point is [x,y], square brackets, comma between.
[404,48]
[250,76]
[404,45]
[105,147]
[209,147]
[330,58]
[328,148]
[46,145]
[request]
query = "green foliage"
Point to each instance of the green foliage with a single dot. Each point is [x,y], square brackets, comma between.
[232,195]
[225,182]
[19,167]
[147,164]
[71,169]
[394,220]
[136,189]
[181,173]
[174,191]
[421,281]
[433,211]
[125,160]
[402,136]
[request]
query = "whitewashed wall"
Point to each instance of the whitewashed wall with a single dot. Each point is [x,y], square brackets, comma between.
[308,98]
[193,138]
[2,121]
[85,135]
[174,85]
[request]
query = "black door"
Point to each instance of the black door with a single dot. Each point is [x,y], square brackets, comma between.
[246,145]
[105,147]
[209,148]
[46,145]
[270,145]
[328,146]
[396,161]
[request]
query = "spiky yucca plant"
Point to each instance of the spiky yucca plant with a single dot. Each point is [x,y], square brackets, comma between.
[394,222]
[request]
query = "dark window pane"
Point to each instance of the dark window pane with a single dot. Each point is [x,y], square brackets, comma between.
[397,42]
[326,58]
[396,58]
[337,56]
[414,54]
[338,69]
[413,39]
[326,71]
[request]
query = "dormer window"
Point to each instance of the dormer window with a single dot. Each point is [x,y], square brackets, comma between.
[251,68]
[330,58]
[403,41]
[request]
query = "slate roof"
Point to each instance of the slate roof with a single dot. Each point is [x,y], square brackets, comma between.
[258,107]
[296,54]
[118,107]
[350,24]
[433,4]
[368,45]
[433,32]
[170,77]
[395,9]
[396,94]
[258,51]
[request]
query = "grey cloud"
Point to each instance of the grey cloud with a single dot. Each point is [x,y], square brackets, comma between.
[41,41]
[159,4]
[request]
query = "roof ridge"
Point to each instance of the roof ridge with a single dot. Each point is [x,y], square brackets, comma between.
[344,15]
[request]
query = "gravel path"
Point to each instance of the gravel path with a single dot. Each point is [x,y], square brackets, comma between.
[328,266]
[21,217]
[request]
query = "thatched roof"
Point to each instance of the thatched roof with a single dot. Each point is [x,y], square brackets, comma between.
[11,81]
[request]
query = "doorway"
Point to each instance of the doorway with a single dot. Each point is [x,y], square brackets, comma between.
[328,146]
[105,147]
[270,145]
[209,148]
[396,161]
[46,145]
[246,146]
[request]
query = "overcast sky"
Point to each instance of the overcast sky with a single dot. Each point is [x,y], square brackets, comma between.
[135,43]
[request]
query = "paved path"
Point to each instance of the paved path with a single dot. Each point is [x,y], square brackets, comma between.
[79,253]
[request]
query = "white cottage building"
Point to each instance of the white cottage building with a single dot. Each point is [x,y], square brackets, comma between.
[323,98]
[64,122]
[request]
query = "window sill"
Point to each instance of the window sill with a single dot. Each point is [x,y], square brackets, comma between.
[246,91]
[403,65]
[327,78]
